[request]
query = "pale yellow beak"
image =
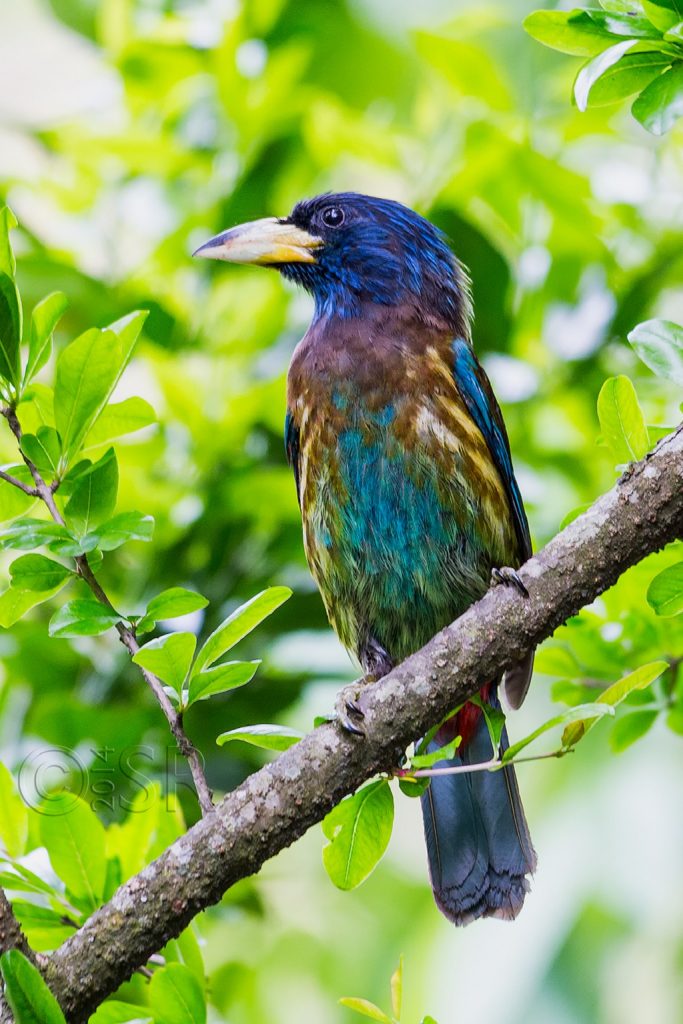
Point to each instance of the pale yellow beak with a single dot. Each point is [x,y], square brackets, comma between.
[266,242]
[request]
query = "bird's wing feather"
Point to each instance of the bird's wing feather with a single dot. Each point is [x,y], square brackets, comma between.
[476,391]
[292,448]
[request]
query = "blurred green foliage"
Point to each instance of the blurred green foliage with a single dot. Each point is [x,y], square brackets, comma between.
[130,131]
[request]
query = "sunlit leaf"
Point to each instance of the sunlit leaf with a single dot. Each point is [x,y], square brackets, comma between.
[27,533]
[659,343]
[572,715]
[665,593]
[43,449]
[44,319]
[576,32]
[397,990]
[241,622]
[119,419]
[268,737]
[93,498]
[176,996]
[168,657]
[74,838]
[630,728]
[28,996]
[37,572]
[220,679]
[660,104]
[358,829]
[115,1012]
[611,697]
[175,601]
[13,816]
[82,617]
[122,528]
[14,603]
[365,1008]
[88,370]
[629,76]
[596,68]
[444,753]
[622,422]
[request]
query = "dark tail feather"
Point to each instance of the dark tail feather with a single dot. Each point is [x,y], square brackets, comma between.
[478,840]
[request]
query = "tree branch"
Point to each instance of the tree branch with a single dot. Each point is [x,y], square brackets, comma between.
[126,635]
[276,805]
[11,937]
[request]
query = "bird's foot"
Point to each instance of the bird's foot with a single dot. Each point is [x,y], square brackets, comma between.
[509,578]
[348,711]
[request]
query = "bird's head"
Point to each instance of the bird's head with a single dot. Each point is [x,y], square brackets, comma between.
[348,250]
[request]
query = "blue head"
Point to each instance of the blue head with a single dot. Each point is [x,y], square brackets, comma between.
[349,249]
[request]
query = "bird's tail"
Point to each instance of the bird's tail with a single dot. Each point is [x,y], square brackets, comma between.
[477,837]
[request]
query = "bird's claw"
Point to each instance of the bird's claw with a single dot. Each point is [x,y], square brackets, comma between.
[348,711]
[510,578]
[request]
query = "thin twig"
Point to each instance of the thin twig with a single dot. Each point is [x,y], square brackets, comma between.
[494,764]
[26,488]
[46,493]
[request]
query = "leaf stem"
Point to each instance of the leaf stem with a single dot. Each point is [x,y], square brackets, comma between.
[493,764]
[175,721]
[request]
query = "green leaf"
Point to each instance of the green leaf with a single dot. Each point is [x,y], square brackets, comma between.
[175,601]
[629,76]
[630,728]
[624,24]
[44,319]
[268,737]
[444,753]
[28,996]
[495,721]
[10,303]
[44,450]
[94,495]
[663,13]
[659,343]
[118,419]
[168,657]
[82,617]
[581,711]
[359,829]
[115,1012]
[581,33]
[622,422]
[596,68]
[13,501]
[177,996]
[26,534]
[13,816]
[396,986]
[7,222]
[124,527]
[15,603]
[612,696]
[88,370]
[413,787]
[220,679]
[241,622]
[44,927]
[665,593]
[660,104]
[36,572]
[74,838]
[365,1008]
[428,1020]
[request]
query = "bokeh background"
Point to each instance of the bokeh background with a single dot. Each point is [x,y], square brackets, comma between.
[130,131]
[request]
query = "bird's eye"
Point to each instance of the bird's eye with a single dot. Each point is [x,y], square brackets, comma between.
[333,217]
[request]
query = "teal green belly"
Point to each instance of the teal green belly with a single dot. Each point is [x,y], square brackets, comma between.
[393,543]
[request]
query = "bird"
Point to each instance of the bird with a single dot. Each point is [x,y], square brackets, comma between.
[408,497]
